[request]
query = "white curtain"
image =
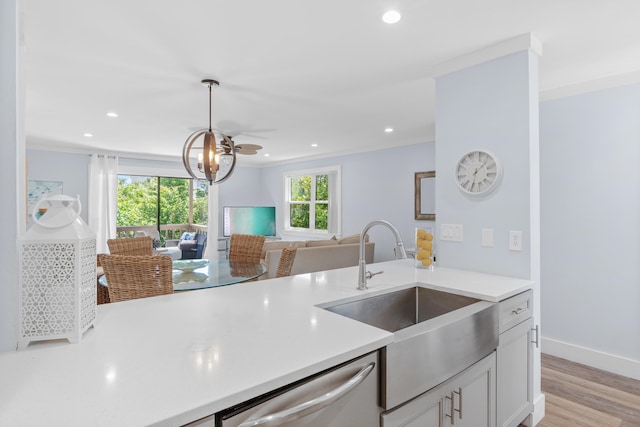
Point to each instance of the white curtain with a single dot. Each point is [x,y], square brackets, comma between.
[211,250]
[103,184]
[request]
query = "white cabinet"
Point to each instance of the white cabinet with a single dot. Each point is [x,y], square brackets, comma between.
[515,361]
[467,399]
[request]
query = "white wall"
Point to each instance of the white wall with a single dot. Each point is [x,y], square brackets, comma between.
[590,149]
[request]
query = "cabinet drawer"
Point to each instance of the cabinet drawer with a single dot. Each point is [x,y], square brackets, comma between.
[514,310]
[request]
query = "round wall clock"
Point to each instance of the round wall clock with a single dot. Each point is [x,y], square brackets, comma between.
[478,172]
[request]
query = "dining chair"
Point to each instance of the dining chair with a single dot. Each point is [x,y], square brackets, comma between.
[246,247]
[131,277]
[140,246]
[102,293]
[286,261]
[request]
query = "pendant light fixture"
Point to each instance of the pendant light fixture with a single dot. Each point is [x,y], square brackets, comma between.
[214,161]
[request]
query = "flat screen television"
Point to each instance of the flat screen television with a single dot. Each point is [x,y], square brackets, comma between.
[259,220]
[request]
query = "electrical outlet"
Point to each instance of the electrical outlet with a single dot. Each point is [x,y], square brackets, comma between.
[515,240]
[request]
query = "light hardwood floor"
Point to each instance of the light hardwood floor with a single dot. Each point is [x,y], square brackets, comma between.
[581,396]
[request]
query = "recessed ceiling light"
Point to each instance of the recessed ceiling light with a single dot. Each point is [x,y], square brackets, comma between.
[267,154]
[112,114]
[388,130]
[391,16]
[87,134]
[314,145]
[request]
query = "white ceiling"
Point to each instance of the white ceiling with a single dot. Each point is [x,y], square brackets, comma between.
[292,72]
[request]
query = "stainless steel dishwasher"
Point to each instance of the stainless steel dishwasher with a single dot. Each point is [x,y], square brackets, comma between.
[346,395]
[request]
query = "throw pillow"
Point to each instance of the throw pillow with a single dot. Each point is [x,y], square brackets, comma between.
[313,243]
[354,238]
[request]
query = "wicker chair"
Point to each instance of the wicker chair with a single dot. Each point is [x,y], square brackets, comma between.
[286,261]
[246,248]
[102,293]
[131,277]
[139,246]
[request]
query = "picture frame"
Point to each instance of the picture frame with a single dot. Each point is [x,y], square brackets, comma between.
[38,189]
[425,195]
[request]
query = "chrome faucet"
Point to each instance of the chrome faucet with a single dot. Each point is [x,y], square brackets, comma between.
[363,274]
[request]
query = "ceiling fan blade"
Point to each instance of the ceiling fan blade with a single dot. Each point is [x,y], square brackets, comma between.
[248,149]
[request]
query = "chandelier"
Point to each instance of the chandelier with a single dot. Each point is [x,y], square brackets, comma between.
[205,158]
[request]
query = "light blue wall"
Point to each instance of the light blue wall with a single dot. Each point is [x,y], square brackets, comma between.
[244,188]
[487,106]
[375,185]
[11,164]
[590,150]
[71,169]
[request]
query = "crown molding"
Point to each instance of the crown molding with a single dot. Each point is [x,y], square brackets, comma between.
[594,85]
[504,48]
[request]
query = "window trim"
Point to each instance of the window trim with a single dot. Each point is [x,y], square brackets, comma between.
[335,202]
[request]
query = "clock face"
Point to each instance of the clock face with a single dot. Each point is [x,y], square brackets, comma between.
[478,172]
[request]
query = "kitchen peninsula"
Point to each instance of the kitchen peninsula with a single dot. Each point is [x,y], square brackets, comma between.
[174,359]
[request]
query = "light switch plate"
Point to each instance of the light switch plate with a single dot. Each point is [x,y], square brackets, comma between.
[452,232]
[487,237]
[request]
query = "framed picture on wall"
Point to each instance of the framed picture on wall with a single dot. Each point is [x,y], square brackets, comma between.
[38,189]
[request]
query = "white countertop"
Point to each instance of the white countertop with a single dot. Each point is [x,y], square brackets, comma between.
[173,359]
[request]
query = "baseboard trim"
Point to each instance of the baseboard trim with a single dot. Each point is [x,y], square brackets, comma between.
[537,414]
[596,359]
[538,409]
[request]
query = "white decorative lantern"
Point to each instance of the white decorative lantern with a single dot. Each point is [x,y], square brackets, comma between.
[58,273]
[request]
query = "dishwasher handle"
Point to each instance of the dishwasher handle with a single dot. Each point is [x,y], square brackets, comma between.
[312,405]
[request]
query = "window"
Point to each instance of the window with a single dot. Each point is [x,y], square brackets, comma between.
[312,201]
[161,201]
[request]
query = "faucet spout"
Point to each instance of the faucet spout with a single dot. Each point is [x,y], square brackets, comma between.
[362,264]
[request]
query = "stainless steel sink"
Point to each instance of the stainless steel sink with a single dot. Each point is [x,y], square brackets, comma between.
[436,335]
[400,309]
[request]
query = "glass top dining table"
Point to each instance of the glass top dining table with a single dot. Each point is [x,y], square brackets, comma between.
[192,274]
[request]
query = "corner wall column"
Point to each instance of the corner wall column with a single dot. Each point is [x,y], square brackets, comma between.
[13,166]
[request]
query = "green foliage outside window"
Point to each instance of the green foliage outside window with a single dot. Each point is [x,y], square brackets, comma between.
[301,192]
[322,215]
[200,202]
[137,198]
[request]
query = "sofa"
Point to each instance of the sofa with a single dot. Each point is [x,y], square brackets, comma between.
[191,245]
[316,255]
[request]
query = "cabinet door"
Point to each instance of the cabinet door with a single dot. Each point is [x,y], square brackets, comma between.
[473,396]
[426,410]
[466,400]
[515,375]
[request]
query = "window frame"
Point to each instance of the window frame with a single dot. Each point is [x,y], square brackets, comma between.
[334,223]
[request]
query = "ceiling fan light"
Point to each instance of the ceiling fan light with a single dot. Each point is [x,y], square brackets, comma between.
[226,159]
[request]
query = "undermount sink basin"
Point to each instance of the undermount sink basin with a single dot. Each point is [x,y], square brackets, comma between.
[436,335]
